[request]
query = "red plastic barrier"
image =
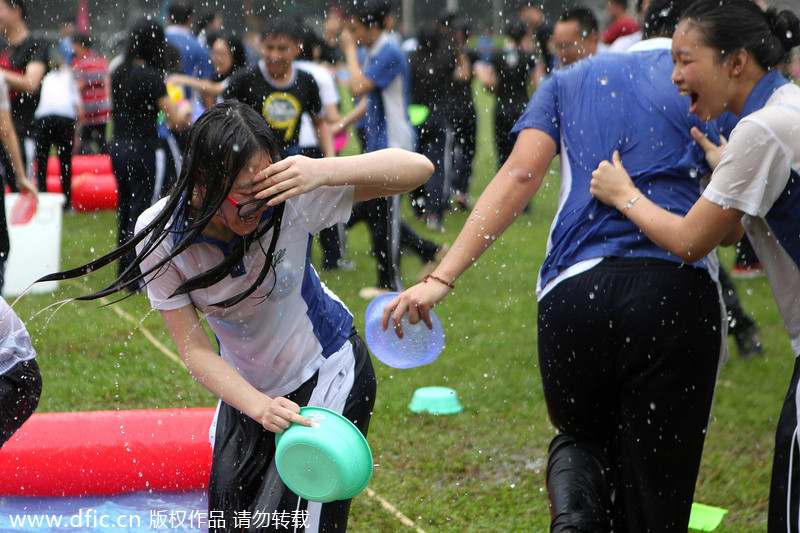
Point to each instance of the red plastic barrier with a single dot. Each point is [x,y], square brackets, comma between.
[92,193]
[96,164]
[107,452]
[93,184]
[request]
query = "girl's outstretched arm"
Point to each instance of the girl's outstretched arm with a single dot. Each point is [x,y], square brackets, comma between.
[502,201]
[221,379]
[380,173]
[691,238]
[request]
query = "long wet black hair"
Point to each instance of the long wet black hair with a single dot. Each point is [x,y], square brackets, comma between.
[221,144]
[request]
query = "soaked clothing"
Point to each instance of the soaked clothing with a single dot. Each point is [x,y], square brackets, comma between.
[766,189]
[293,337]
[20,390]
[769,194]
[279,336]
[637,396]
[20,380]
[244,476]
[784,503]
[629,336]
[651,131]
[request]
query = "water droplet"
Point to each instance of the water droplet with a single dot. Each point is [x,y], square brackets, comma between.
[604,80]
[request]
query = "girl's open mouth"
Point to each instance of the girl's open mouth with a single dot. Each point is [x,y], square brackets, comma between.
[693,96]
[692,102]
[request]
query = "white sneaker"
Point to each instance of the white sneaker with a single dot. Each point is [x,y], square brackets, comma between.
[368,293]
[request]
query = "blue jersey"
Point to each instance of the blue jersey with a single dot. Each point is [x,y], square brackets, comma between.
[610,102]
[387,104]
[195,59]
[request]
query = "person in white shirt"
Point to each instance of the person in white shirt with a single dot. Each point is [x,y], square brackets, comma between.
[20,379]
[233,243]
[726,55]
[55,122]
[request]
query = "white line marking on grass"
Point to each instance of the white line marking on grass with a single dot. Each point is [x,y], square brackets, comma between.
[122,314]
[392,509]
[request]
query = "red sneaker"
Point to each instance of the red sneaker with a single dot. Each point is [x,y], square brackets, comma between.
[747,271]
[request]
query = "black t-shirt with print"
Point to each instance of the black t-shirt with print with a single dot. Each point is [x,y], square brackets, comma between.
[280,105]
[514,67]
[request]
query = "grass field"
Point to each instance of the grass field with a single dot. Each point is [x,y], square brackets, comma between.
[480,470]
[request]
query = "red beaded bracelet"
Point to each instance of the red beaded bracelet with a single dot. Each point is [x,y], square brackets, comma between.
[440,280]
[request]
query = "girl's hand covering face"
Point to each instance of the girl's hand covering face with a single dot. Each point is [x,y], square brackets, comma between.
[290,177]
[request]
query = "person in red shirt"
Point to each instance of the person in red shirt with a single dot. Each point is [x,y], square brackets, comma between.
[91,73]
[621,24]
[23,64]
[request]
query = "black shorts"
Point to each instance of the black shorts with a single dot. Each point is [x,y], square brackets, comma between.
[629,352]
[244,479]
[784,492]
[20,390]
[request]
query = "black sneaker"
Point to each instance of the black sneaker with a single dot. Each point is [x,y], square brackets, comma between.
[748,342]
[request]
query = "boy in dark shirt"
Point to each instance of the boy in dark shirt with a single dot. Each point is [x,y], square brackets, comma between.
[280,92]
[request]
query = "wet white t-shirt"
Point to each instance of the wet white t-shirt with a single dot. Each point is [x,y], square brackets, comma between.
[757,175]
[278,342]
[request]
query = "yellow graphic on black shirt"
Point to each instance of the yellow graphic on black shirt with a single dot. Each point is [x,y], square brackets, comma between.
[282,112]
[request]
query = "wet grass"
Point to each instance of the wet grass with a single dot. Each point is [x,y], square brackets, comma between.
[480,470]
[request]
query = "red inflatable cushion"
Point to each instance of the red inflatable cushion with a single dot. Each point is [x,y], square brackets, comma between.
[93,184]
[96,164]
[107,452]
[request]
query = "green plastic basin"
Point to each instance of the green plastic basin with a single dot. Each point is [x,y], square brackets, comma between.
[435,400]
[327,462]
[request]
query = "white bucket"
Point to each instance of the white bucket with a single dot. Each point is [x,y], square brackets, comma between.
[35,246]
